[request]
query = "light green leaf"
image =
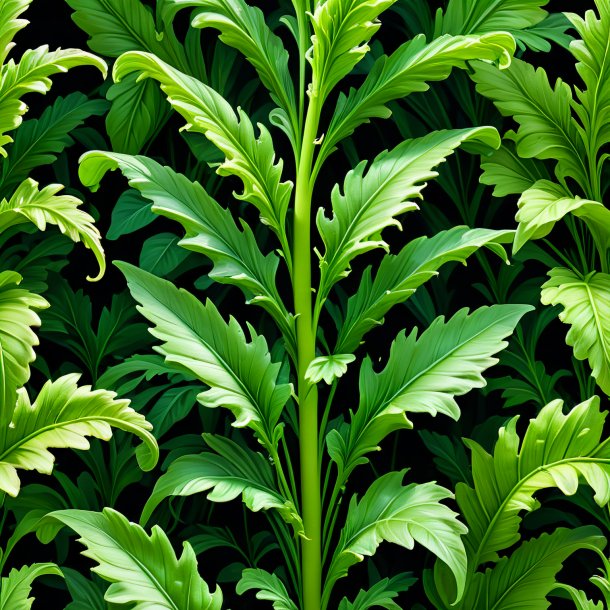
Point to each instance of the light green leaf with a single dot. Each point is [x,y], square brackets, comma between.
[143,569]
[229,472]
[546,127]
[524,579]
[241,375]
[381,594]
[403,515]
[586,308]
[580,599]
[210,229]
[15,588]
[269,587]
[556,451]
[17,339]
[63,415]
[39,141]
[249,158]
[29,204]
[328,368]
[32,74]
[10,24]
[545,203]
[399,276]
[423,375]
[371,202]
[341,30]
[409,69]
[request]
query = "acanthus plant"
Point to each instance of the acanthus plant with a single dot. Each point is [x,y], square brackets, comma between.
[282,400]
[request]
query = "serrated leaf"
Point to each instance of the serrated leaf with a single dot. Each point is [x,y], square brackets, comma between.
[409,69]
[210,229]
[63,415]
[230,471]
[249,158]
[423,375]
[15,588]
[371,202]
[269,587]
[381,594]
[42,207]
[10,24]
[328,368]
[555,451]
[586,308]
[17,339]
[241,375]
[398,276]
[144,570]
[391,512]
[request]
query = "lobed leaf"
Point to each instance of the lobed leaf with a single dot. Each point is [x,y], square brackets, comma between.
[15,588]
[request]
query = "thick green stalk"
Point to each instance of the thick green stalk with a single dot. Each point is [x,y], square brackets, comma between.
[311,501]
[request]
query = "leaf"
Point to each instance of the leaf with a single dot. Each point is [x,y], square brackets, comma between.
[527,576]
[249,158]
[402,515]
[131,213]
[10,24]
[39,141]
[328,368]
[586,308]
[370,202]
[269,587]
[546,127]
[243,27]
[210,229]
[241,375]
[29,204]
[409,69]
[17,339]
[143,569]
[423,375]
[63,415]
[172,407]
[32,74]
[542,205]
[555,451]
[341,29]
[229,472]
[398,276]
[15,588]
[161,255]
[381,594]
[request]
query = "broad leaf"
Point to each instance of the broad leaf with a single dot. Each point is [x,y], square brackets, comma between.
[586,308]
[398,276]
[15,588]
[423,375]
[269,587]
[371,202]
[557,450]
[408,70]
[42,207]
[241,375]
[230,471]
[210,229]
[143,569]
[249,158]
[63,415]
[17,339]
[403,515]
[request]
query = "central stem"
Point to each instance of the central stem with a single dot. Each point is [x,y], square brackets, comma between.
[306,351]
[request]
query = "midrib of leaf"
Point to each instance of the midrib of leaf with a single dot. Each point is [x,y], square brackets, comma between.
[171,243]
[598,324]
[500,510]
[491,8]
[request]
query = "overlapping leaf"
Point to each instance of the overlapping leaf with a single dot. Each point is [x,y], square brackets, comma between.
[29,204]
[144,570]
[371,202]
[249,158]
[586,308]
[241,375]
[15,588]
[63,415]
[398,276]
[423,375]
[210,229]
[230,471]
[269,587]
